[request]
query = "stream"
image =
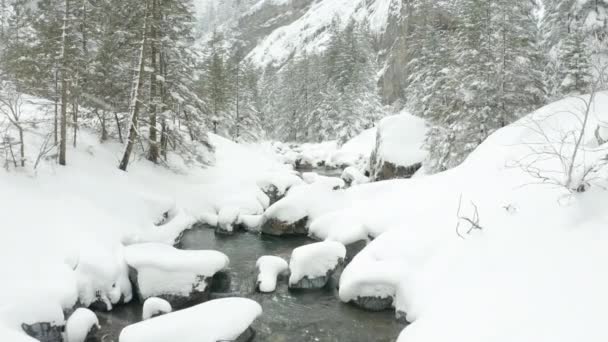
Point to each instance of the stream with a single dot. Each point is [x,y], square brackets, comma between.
[288,316]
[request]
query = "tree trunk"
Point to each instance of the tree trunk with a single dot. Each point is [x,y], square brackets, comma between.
[22,147]
[56,117]
[118,128]
[164,139]
[75,119]
[104,127]
[135,96]
[64,86]
[238,116]
[154,98]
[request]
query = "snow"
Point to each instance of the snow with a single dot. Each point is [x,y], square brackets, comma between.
[216,320]
[353,176]
[309,200]
[315,260]
[163,269]
[270,267]
[401,138]
[356,151]
[154,306]
[309,33]
[64,228]
[79,324]
[318,180]
[531,273]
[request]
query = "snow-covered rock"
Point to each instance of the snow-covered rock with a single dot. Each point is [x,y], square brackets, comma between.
[355,152]
[227,220]
[303,203]
[154,307]
[399,151]
[312,265]
[217,320]
[80,325]
[181,277]
[352,176]
[36,316]
[269,269]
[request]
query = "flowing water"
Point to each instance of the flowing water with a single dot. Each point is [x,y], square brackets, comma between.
[288,316]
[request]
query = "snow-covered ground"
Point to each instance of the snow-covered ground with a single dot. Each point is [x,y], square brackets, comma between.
[508,246]
[504,247]
[63,228]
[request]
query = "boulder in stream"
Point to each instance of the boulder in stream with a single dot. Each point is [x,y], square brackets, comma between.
[227,319]
[313,265]
[180,277]
[44,331]
[82,326]
[154,307]
[276,227]
[269,269]
[399,151]
[373,303]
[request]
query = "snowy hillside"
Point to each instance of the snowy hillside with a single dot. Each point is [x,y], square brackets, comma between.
[308,33]
[64,227]
[507,246]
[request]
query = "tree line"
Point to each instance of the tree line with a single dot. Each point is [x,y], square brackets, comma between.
[476,66]
[127,68]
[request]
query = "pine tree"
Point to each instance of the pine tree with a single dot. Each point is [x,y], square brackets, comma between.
[216,84]
[574,66]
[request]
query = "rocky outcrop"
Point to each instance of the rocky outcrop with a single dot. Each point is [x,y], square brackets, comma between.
[273,193]
[275,227]
[374,303]
[399,150]
[387,170]
[307,283]
[353,249]
[247,336]
[177,301]
[44,331]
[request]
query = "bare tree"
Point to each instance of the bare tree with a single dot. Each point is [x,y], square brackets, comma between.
[11,103]
[471,221]
[566,147]
[136,95]
[64,85]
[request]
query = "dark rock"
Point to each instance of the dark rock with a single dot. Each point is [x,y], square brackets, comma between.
[247,336]
[301,164]
[44,331]
[177,301]
[354,249]
[401,317]
[220,295]
[272,226]
[374,303]
[307,283]
[224,230]
[220,282]
[273,194]
[387,170]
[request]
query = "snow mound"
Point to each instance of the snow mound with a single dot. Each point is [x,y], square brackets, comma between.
[356,151]
[352,176]
[217,320]
[155,307]
[399,144]
[269,268]
[80,324]
[162,269]
[315,260]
